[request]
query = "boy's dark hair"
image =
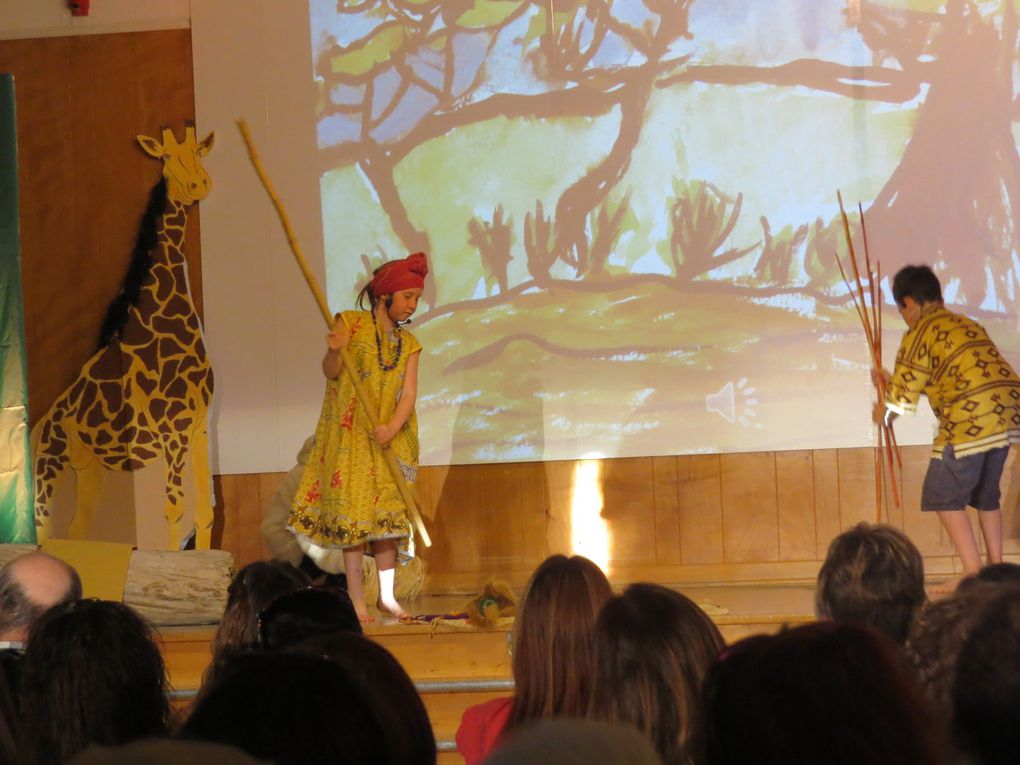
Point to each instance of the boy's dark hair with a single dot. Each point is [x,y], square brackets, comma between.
[872,575]
[917,282]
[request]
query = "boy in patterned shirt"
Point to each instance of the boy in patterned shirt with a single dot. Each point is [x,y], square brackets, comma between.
[975,395]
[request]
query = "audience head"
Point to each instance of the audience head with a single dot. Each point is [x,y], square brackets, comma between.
[653,647]
[939,633]
[986,689]
[289,709]
[999,573]
[29,585]
[576,742]
[253,588]
[92,675]
[308,612]
[833,693]
[165,751]
[553,650]
[387,690]
[872,575]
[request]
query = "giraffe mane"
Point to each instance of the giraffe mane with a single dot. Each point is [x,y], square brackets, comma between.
[140,266]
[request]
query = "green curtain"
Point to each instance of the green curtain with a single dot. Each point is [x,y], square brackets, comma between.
[17,522]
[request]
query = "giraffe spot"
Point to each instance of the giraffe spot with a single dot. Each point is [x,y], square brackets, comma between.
[174,409]
[197,377]
[157,408]
[173,328]
[145,455]
[169,347]
[146,384]
[148,300]
[144,437]
[177,389]
[148,355]
[77,389]
[122,420]
[113,394]
[127,435]
[178,305]
[133,333]
[110,364]
[169,372]
[165,284]
[46,431]
[133,464]
[95,416]
[187,363]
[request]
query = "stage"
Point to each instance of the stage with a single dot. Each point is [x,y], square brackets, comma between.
[455,665]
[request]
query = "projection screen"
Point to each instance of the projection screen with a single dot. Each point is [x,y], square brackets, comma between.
[630,210]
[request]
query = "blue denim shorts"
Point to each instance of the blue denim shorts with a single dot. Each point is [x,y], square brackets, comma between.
[953,483]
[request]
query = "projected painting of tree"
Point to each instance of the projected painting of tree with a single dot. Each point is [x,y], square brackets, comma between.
[631,212]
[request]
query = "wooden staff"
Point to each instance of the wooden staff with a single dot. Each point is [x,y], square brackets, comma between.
[364,396]
[871,320]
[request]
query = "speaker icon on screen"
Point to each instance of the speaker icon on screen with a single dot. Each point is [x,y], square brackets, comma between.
[724,402]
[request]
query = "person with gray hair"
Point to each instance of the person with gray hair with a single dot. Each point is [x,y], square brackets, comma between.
[29,585]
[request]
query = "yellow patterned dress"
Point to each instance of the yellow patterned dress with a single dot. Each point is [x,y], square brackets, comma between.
[347,496]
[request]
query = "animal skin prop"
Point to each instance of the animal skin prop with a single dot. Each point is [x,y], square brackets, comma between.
[145,394]
[493,605]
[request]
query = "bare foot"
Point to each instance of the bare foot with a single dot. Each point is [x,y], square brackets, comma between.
[392,607]
[364,616]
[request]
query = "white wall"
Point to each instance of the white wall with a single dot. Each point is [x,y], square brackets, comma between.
[52,18]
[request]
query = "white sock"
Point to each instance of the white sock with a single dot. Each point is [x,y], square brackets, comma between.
[386,587]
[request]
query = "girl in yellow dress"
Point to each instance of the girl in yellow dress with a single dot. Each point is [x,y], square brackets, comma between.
[347,498]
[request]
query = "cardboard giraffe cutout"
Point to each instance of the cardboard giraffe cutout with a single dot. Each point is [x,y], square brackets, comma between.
[146,393]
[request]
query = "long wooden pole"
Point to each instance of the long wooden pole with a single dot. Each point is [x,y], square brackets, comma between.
[364,396]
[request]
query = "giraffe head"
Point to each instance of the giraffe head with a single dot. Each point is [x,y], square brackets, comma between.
[186,179]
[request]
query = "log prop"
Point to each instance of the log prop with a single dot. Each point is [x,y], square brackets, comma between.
[168,587]
[363,394]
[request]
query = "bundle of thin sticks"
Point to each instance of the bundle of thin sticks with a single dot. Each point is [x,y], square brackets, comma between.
[868,302]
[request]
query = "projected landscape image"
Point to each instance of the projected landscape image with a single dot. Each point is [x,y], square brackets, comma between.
[631,210]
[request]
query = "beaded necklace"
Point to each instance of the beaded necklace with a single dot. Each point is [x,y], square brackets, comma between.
[378,347]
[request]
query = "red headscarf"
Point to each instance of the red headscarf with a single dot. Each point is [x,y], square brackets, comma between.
[397,275]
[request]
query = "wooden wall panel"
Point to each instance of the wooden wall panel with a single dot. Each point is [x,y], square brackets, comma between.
[666,496]
[629,510]
[84,181]
[856,487]
[750,509]
[733,517]
[795,498]
[825,467]
[701,517]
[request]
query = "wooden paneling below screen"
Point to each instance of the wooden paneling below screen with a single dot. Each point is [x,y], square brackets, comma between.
[707,517]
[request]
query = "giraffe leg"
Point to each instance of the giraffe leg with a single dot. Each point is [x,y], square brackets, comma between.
[173,508]
[89,487]
[203,489]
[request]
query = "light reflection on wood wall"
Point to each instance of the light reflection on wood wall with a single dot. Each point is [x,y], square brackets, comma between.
[715,517]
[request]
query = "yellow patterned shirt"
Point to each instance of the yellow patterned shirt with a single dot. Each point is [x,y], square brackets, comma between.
[972,389]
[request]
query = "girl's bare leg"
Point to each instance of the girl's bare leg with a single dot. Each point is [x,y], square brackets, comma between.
[385,551]
[353,558]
